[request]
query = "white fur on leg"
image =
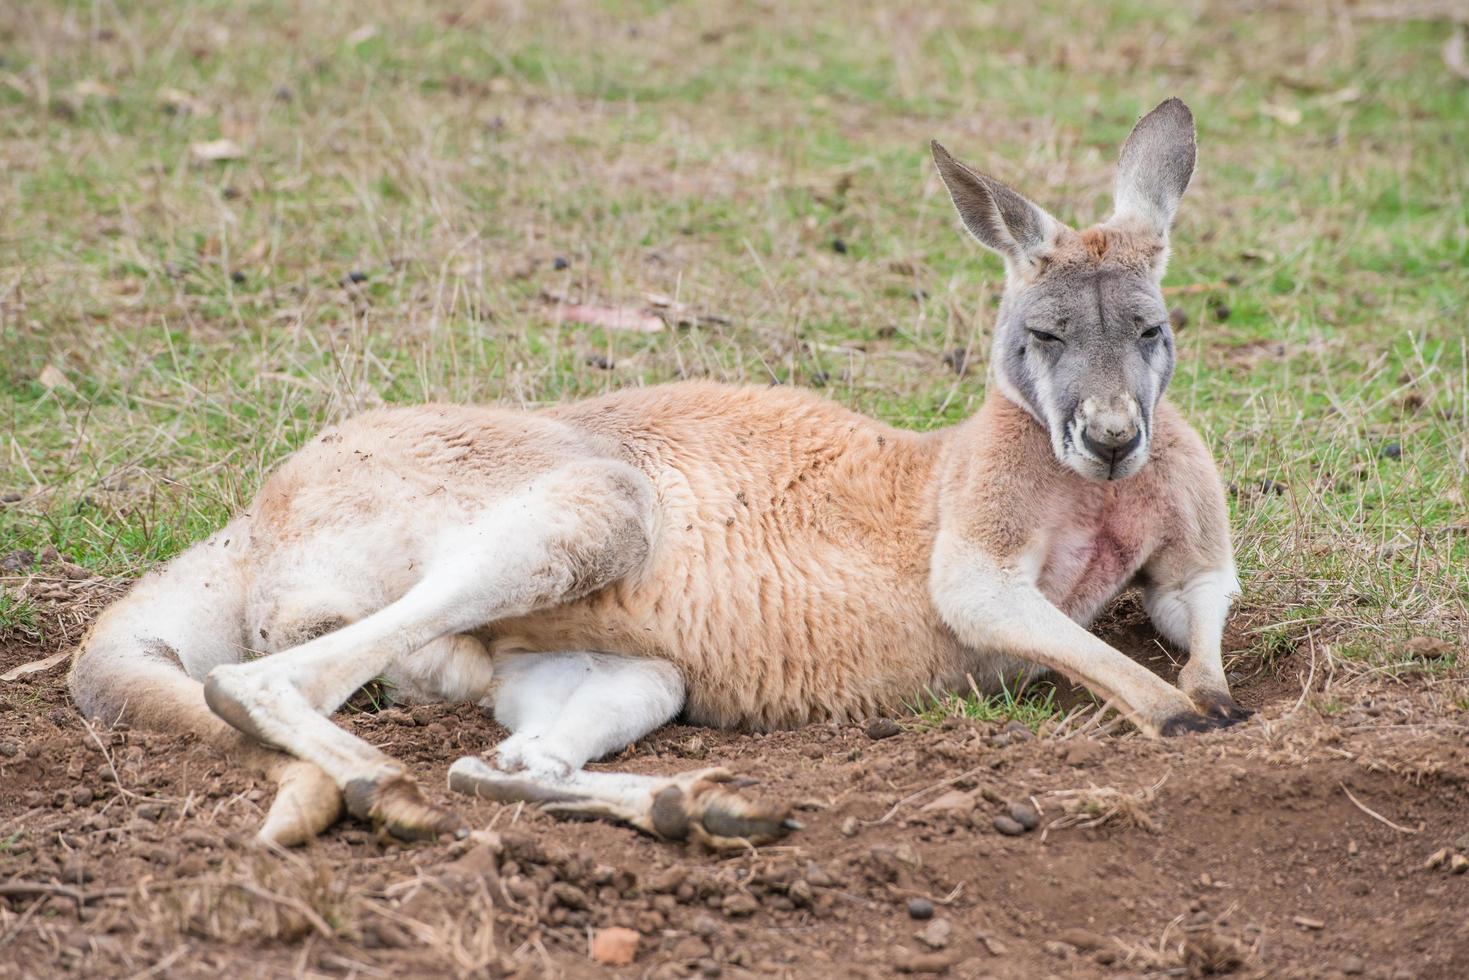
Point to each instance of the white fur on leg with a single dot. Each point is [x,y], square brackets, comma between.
[567,709]
[1191,614]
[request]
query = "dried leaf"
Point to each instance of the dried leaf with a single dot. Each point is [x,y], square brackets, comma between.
[1288,115]
[36,666]
[1454,58]
[611,317]
[51,378]
[216,151]
[90,88]
[1341,96]
[182,103]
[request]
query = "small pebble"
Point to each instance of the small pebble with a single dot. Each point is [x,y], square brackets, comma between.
[920,909]
[560,262]
[880,728]
[76,872]
[355,276]
[1392,450]
[1025,815]
[739,905]
[937,934]
[1083,939]
[850,827]
[838,246]
[1018,731]
[615,946]
[82,796]
[1009,826]
[1353,966]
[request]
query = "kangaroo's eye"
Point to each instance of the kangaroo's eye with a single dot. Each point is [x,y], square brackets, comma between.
[1045,338]
[1150,333]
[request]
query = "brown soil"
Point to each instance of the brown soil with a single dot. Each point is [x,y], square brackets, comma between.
[1239,853]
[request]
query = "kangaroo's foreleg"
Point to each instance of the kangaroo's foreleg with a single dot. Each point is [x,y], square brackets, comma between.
[566,709]
[575,530]
[999,609]
[1189,608]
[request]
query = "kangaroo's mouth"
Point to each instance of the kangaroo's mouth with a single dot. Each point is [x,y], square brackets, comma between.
[1097,461]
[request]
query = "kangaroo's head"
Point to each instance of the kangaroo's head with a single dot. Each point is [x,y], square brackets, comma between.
[1082,341]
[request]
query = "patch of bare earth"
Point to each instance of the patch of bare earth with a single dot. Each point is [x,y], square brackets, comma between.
[1298,845]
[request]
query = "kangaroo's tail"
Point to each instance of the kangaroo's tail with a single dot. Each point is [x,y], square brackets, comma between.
[144,661]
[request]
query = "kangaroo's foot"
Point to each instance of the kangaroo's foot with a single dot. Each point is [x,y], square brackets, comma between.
[702,805]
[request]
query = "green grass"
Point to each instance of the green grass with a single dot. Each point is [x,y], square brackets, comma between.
[1032,706]
[712,153]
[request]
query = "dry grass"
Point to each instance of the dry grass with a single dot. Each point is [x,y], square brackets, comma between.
[1101,806]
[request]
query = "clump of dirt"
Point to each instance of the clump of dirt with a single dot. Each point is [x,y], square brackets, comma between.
[1317,840]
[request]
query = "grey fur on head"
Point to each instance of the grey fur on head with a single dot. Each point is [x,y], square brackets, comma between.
[1082,339]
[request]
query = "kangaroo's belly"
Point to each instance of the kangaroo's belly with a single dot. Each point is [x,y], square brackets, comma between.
[765,638]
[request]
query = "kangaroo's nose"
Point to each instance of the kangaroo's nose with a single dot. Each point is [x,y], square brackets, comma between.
[1111,436]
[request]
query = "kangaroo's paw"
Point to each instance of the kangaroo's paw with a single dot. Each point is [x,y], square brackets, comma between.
[1217,704]
[701,805]
[704,806]
[393,803]
[1193,722]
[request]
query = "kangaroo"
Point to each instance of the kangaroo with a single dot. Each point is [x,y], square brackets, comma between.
[746,557]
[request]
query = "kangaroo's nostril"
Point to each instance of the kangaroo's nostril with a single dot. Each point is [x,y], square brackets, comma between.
[1112,447]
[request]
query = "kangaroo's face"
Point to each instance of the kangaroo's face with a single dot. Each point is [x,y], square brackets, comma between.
[1082,340]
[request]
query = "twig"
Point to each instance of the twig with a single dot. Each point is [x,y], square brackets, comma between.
[1373,813]
[35,889]
[927,789]
[305,911]
[111,766]
[162,965]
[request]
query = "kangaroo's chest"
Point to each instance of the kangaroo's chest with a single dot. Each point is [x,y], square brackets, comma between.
[1093,547]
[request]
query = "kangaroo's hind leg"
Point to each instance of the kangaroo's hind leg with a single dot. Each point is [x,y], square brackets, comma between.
[576,529]
[566,709]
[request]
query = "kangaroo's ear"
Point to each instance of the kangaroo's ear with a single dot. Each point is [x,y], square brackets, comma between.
[996,215]
[1157,162]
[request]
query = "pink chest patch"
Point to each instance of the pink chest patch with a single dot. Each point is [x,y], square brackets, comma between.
[1093,553]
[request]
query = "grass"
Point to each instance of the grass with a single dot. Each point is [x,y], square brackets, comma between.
[173,328]
[1031,705]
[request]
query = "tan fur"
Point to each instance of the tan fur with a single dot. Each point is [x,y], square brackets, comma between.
[1109,245]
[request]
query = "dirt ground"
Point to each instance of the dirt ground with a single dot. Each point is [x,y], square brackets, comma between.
[1298,845]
